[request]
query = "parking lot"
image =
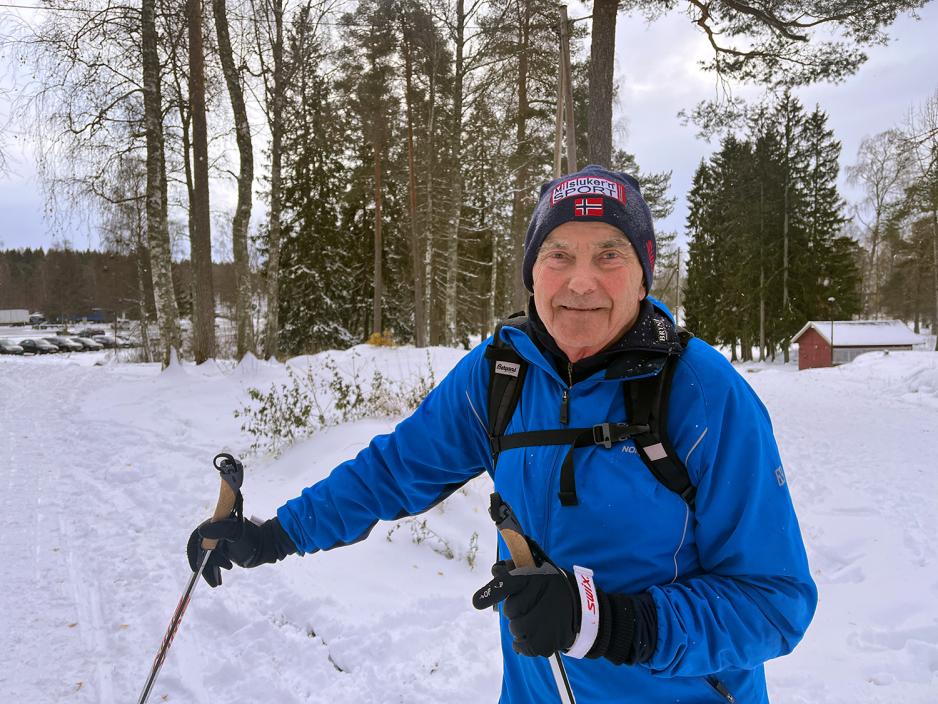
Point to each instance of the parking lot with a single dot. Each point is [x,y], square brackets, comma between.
[26,341]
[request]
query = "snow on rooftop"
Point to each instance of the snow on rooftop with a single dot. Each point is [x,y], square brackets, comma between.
[863,333]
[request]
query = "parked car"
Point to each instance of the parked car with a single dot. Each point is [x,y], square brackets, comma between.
[64,344]
[91,332]
[110,341]
[88,343]
[38,346]
[10,347]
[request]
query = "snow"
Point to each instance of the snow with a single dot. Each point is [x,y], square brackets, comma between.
[107,468]
[863,333]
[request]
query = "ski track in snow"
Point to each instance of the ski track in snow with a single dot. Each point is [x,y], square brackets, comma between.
[107,469]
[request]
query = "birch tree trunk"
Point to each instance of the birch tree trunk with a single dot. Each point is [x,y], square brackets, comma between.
[167,312]
[142,271]
[242,215]
[200,234]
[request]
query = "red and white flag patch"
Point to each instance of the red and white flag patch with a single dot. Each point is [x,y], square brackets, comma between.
[587,186]
[591,207]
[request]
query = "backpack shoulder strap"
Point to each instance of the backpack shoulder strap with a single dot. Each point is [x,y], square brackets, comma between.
[683,335]
[646,401]
[507,370]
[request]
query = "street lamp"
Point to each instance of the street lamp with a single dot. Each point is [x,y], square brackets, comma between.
[830,312]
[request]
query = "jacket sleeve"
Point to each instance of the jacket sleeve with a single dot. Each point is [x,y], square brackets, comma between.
[753,597]
[427,457]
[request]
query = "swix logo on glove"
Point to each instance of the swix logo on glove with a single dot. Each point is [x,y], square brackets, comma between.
[586,584]
[587,186]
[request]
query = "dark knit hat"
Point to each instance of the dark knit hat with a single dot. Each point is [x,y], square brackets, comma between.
[593,194]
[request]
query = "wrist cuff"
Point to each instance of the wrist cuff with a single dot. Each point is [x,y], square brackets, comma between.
[589,613]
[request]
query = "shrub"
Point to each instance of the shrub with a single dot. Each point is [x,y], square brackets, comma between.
[421,533]
[318,398]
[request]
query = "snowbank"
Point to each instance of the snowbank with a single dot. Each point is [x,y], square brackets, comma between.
[108,468]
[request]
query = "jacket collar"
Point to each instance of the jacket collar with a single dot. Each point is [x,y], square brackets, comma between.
[641,351]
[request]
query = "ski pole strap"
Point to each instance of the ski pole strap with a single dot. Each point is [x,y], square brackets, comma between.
[589,613]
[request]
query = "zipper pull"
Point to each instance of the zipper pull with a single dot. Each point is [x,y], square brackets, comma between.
[565,407]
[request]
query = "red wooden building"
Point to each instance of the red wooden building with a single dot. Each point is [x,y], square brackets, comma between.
[825,343]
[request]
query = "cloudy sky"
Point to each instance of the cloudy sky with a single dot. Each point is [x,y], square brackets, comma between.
[658,75]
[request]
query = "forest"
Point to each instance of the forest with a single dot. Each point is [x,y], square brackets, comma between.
[390,152]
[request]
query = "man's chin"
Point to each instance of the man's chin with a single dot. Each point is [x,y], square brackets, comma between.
[578,339]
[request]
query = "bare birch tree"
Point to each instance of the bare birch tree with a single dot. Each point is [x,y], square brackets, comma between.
[268,18]
[245,178]
[881,171]
[167,312]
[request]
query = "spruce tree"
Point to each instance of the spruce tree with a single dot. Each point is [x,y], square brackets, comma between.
[315,258]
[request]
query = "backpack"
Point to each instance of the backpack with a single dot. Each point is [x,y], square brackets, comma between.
[646,401]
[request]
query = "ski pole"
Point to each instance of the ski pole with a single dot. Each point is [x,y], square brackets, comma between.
[232,474]
[508,527]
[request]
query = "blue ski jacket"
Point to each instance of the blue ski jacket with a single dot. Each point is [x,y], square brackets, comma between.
[729,580]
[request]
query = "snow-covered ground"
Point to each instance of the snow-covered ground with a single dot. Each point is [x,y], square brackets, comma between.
[105,470]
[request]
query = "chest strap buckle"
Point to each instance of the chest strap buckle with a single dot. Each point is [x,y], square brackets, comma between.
[606,434]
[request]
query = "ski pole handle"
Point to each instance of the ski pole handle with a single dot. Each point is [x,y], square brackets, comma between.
[232,475]
[510,530]
[518,547]
[223,509]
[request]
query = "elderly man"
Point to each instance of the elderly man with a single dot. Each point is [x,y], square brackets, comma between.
[635,456]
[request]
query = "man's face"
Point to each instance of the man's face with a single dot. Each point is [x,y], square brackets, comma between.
[587,286]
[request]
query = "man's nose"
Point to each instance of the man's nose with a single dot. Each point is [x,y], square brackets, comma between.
[582,279]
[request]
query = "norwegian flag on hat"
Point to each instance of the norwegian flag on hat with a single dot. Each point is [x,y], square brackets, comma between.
[592,207]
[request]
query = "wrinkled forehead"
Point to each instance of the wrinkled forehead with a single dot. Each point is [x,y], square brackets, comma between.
[593,235]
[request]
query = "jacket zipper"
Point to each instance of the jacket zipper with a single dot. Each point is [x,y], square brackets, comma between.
[565,399]
[721,689]
[564,420]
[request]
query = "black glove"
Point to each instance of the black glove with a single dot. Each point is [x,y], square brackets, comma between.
[542,606]
[240,541]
